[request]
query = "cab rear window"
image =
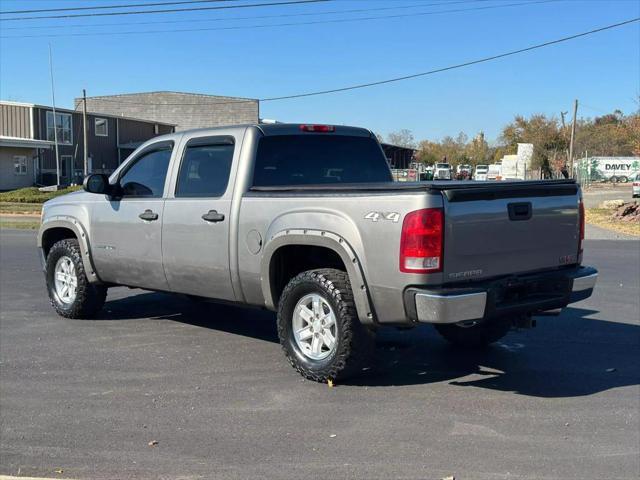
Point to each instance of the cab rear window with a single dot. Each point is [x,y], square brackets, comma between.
[319,159]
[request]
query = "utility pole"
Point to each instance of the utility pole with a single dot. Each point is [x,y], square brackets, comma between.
[564,136]
[573,136]
[55,125]
[84,124]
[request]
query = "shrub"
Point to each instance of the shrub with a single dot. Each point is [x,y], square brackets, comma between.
[33,195]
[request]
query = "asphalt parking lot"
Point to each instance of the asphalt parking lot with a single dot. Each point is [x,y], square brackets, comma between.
[209,384]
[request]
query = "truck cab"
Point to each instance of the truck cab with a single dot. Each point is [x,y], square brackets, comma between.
[480,173]
[442,171]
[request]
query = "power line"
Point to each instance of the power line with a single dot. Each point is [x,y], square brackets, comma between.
[288,24]
[408,77]
[219,19]
[172,10]
[105,7]
[453,67]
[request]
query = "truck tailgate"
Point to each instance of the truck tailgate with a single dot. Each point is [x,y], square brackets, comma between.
[509,227]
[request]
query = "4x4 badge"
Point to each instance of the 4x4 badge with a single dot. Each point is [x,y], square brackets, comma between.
[375,216]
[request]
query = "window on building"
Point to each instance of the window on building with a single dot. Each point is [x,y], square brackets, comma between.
[101,127]
[63,126]
[205,171]
[20,165]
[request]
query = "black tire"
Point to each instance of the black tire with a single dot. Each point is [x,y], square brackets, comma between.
[623,179]
[89,297]
[613,179]
[476,336]
[354,342]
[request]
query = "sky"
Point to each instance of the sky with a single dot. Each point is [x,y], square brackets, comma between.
[602,71]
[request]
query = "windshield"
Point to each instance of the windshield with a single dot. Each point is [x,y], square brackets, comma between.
[442,165]
[482,168]
[319,159]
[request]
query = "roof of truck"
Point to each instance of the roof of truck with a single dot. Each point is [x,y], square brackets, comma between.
[275,129]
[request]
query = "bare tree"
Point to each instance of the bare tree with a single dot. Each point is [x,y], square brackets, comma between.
[402,138]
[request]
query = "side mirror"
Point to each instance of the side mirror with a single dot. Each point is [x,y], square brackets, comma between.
[97,183]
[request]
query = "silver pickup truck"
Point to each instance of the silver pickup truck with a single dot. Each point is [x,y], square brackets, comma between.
[305,220]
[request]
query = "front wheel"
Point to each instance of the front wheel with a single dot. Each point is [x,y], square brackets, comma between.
[70,292]
[474,335]
[319,329]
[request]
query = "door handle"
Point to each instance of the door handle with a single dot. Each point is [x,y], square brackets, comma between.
[213,216]
[148,215]
[519,211]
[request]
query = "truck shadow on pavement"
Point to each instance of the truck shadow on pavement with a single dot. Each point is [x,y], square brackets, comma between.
[245,321]
[566,356]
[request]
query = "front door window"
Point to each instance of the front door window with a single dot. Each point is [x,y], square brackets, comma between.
[147,175]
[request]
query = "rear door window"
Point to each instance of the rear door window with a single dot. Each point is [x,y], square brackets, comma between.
[205,170]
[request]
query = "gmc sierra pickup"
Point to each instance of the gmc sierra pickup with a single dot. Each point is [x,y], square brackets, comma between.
[305,220]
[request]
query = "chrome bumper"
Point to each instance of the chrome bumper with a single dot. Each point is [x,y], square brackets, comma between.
[435,308]
[587,282]
[456,305]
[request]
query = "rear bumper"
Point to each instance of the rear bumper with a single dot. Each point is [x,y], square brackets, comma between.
[510,296]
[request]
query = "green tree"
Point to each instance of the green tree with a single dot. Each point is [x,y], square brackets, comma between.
[549,141]
[477,150]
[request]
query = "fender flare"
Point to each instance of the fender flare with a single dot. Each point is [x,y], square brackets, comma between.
[73,224]
[332,241]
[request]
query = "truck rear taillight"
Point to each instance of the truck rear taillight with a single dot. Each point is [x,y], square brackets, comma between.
[421,242]
[581,220]
[318,128]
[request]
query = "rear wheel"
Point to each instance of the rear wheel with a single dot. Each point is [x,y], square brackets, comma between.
[319,329]
[474,335]
[69,290]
